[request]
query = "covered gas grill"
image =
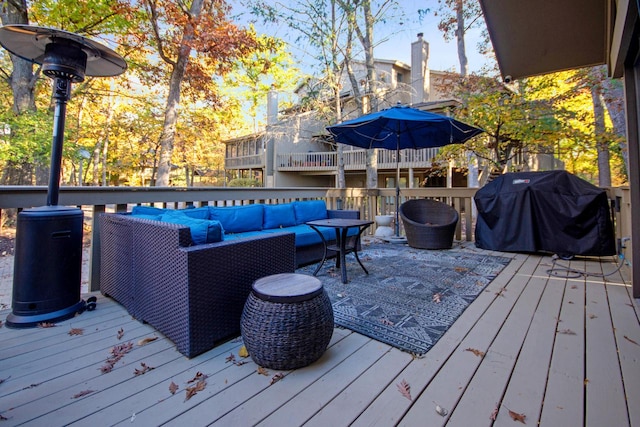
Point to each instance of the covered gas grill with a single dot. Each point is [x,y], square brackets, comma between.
[553,211]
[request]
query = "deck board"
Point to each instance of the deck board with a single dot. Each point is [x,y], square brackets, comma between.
[604,391]
[627,336]
[530,366]
[348,404]
[526,388]
[448,386]
[488,385]
[390,406]
[564,397]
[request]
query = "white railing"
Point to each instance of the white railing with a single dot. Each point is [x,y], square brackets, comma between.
[355,160]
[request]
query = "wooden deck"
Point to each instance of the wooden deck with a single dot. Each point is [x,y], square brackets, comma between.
[562,352]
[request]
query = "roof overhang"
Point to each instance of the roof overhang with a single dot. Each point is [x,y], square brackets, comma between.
[537,37]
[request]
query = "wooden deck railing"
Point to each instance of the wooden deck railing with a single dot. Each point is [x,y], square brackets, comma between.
[370,202]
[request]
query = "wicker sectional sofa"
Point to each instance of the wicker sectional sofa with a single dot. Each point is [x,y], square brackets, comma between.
[194,295]
[192,292]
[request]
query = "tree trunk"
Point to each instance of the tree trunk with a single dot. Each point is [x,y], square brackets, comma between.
[462,53]
[367,44]
[96,162]
[613,93]
[604,170]
[22,79]
[168,134]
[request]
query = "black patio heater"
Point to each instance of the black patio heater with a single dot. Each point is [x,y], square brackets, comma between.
[47,275]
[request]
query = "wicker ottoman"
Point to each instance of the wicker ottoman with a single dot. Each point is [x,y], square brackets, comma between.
[287,321]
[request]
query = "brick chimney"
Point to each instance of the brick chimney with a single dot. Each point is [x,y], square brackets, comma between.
[420,80]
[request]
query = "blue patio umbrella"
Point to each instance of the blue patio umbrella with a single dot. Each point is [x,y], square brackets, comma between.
[401,127]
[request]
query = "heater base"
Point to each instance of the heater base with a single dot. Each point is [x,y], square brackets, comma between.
[47,273]
[17,321]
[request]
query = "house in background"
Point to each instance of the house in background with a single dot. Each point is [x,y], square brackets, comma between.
[295,150]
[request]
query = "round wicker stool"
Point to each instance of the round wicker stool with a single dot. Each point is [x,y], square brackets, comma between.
[287,321]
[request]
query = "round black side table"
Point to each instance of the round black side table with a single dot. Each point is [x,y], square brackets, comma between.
[287,321]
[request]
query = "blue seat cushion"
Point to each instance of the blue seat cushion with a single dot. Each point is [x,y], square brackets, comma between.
[306,236]
[202,230]
[237,219]
[310,210]
[278,216]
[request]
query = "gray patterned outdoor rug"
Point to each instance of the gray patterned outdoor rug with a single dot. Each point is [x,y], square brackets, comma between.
[411,296]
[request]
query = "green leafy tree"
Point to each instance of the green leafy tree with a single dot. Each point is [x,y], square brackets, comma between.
[514,118]
[269,67]
[30,91]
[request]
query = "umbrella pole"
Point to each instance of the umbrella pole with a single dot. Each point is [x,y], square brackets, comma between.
[397,191]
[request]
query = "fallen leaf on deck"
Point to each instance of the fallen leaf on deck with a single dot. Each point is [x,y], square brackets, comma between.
[630,340]
[46,325]
[593,316]
[120,333]
[82,393]
[3,418]
[501,292]
[243,352]
[566,332]
[194,389]
[494,413]
[117,353]
[277,377]
[230,358]
[146,341]
[145,368]
[574,286]
[586,381]
[405,389]
[173,387]
[76,331]
[441,411]
[460,269]
[199,377]
[436,297]
[517,416]
[262,371]
[475,351]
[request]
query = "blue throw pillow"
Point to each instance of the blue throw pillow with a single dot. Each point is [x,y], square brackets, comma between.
[278,216]
[147,210]
[238,219]
[202,230]
[310,210]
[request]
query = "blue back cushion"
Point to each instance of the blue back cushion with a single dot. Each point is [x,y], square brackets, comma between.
[147,210]
[278,216]
[200,213]
[310,210]
[237,219]
[202,230]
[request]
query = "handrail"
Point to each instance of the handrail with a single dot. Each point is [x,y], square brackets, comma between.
[370,202]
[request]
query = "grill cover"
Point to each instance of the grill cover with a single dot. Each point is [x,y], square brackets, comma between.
[551,211]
